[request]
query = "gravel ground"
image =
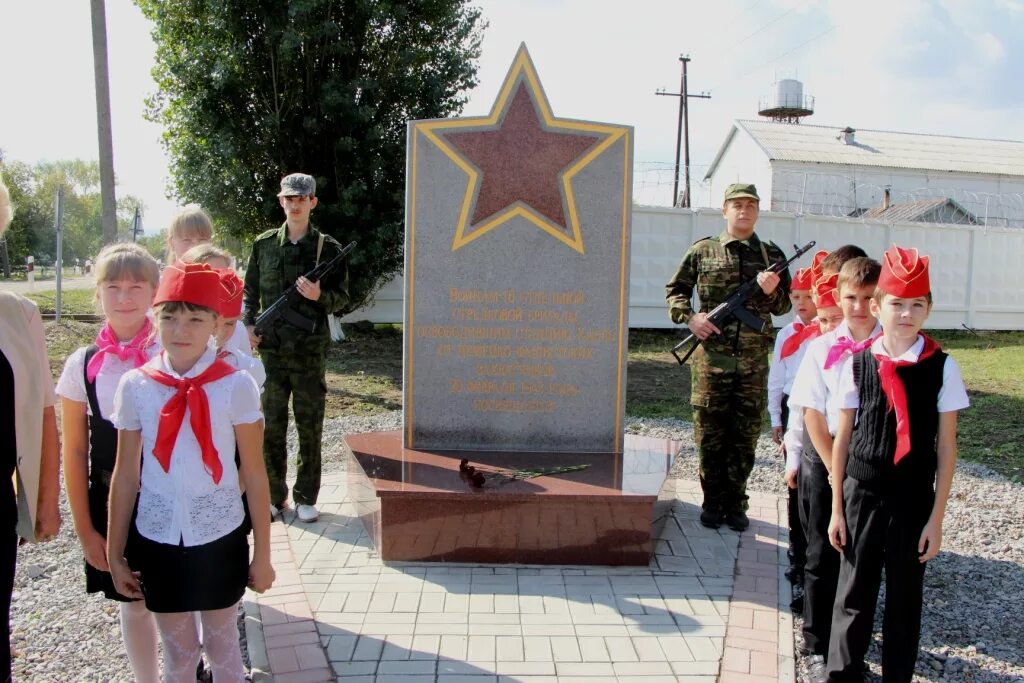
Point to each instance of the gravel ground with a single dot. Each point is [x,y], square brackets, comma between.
[974,591]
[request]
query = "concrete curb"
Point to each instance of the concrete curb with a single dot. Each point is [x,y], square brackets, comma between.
[255,643]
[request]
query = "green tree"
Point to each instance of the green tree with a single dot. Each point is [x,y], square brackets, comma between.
[250,90]
[33,194]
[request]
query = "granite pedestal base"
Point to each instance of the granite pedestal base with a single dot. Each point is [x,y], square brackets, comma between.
[418,505]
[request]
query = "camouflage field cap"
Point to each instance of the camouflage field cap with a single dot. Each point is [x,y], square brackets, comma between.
[297,185]
[738,190]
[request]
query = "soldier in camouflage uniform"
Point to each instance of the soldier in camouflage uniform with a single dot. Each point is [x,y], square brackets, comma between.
[295,360]
[729,370]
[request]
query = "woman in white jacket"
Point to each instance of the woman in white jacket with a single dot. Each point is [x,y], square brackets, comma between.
[29,458]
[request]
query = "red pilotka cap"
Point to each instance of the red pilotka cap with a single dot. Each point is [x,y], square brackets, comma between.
[193,283]
[904,273]
[825,293]
[804,279]
[231,293]
[819,256]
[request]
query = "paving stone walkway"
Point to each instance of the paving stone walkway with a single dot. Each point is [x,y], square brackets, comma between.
[705,610]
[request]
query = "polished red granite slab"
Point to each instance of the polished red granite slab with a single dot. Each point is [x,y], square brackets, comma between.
[418,505]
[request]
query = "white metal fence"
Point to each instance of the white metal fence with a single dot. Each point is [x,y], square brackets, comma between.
[977,272]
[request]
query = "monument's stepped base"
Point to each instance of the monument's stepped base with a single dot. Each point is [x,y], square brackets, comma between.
[418,506]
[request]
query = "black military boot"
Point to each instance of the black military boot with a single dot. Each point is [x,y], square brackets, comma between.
[737,521]
[712,519]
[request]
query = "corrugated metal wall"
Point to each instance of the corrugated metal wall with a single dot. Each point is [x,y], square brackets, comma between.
[977,272]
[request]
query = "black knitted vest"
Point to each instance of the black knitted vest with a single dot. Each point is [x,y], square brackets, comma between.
[873,445]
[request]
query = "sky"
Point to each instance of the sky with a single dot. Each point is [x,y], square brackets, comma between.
[951,67]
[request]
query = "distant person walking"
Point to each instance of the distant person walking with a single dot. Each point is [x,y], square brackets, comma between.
[295,360]
[729,370]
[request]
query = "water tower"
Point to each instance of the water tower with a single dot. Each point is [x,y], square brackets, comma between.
[787,104]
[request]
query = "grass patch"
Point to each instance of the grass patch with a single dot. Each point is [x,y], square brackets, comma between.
[991,431]
[656,385]
[64,337]
[72,301]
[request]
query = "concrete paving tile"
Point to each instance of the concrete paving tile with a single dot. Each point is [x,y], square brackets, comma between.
[695,668]
[548,630]
[321,675]
[584,669]
[565,649]
[592,648]
[649,649]
[485,618]
[348,670]
[633,669]
[481,648]
[397,647]
[453,647]
[417,667]
[442,629]
[341,648]
[368,648]
[524,669]
[425,646]
[537,648]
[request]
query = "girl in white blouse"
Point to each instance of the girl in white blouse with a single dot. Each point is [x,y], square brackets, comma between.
[179,417]
[126,280]
[192,228]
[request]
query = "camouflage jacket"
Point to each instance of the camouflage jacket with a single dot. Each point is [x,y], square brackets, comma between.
[715,267]
[274,265]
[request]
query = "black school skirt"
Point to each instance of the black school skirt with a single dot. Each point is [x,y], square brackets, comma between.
[179,578]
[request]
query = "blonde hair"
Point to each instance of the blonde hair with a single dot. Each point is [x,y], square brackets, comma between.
[126,261]
[191,221]
[6,212]
[204,253]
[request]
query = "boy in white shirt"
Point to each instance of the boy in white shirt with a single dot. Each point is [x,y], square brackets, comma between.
[815,396]
[790,345]
[892,471]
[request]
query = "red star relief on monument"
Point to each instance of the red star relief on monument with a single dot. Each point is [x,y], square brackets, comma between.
[521,160]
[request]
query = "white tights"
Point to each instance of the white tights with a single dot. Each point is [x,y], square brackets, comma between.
[180,638]
[138,631]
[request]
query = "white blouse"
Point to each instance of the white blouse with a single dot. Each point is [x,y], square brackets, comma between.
[184,504]
[245,363]
[71,384]
[238,342]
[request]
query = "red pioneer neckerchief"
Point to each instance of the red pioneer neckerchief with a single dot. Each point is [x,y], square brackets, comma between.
[803,333]
[896,393]
[191,395]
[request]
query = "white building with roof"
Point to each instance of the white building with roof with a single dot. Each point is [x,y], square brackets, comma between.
[878,175]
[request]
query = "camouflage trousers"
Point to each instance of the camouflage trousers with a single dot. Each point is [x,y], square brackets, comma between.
[728,398]
[301,377]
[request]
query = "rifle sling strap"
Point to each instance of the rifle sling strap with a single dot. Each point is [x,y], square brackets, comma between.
[320,248]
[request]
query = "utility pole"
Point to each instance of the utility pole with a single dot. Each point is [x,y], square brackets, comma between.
[103,122]
[682,134]
[58,226]
[136,225]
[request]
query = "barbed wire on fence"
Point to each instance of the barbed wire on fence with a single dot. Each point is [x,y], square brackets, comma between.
[840,195]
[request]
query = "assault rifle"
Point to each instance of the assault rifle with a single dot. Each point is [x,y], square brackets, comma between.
[735,306]
[283,309]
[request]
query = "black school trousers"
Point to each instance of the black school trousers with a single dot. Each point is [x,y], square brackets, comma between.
[797,540]
[884,523]
[821,567]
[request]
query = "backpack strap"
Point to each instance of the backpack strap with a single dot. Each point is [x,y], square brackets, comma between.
[90,387]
